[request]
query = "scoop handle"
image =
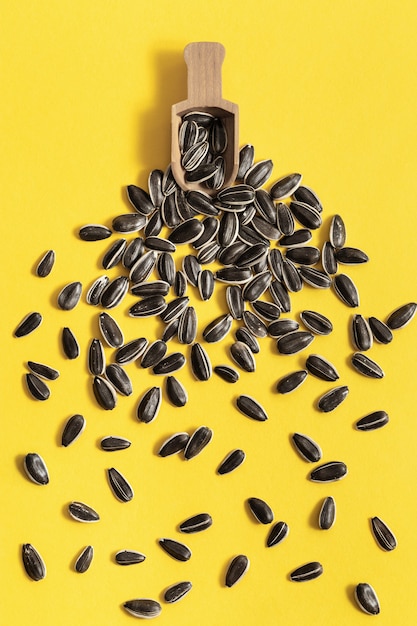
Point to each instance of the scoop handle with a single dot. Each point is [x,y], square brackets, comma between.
[204,62]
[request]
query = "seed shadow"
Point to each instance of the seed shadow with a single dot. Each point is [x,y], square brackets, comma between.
[58,435]
[313,518]
[19,462]
[350,592]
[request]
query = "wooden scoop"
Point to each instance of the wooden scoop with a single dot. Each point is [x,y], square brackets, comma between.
[204,61]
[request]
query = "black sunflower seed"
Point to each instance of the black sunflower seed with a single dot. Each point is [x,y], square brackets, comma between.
[210,228]
[265,228]
[309,571]
[196,523]
[229,255]
[306,215]
[168,182]
[131,351]
[280,296]
[177,550]
[366,366]
[194,156]
[94,293]
[235,301]
[346,290]
[114,292]
[174,309]
[321,368]
[197,442]
[140,200]
[243,335]
[110,330]
[254,324]
[201,203]
[380,331]
[70,344]
[307,448]
[96,358]
[331,400]
[176,392]
[187,328]
[285,186]
[188,135]
[155,187]
[372,421]
[119,485]
[265,206]
[208,254]
[337,232]
[383,535]
[37,388]
[361,333]
[335,470]
[367,599]
[44,371]
[104,393]
[46,263]
[402,316]
[200,362]
[258,174]
[119,379]
[292,381]
[316,322]
[69,296]
[251,408]
[294,342]
[277,534]
[203,173]
[29,323]
[175,443]
[315,278]
[218,328]
[256,286]
[94,232]
[149,405]
[82,512]
[243,356]
[327,515]
[128,223]
[298,238]
[233,275]
[84,560]
[291,276]
[186,232]
[227,373]
[304,255]
[351,256]
[261,511]
[228,229]
[132,253]
[180,284]
[285,219]
[72,429]
[143,267]
[231,462]
[33,562]
[282,327]
[236,570]
[308,196]
[251,256]
[191,268]
[237,195]
[143,607]
[172,363]
[114,254]
[148,307]
[114,444]
[36,469]
[205,284]
[246,156]
[129,557]
[269,311]
[153,228]
[177,591]
[154,353]
[328,259]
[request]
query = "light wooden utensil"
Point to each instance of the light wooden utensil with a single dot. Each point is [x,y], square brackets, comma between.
[204,61]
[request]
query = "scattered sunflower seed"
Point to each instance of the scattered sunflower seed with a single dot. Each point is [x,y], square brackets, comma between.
[251,408]
[128,223]
[187,328]
[174,309]
[294,342]
[36,469]
[33,562]
[337,232]
[119,485]
[346,290]
[373,421]
[246,157]
[292,381]
[72,429]
[131,351]
[321,368]
[366,366]
[198,440]
[180,284]
[110,330]
[327,515]
[402,316]
[254,324]
[235,301]
[148,307]
[196,523]
[308,449]
[383,535]
[308,196]
[306,215]
[328,259]
[153,353]
[186,232]
[175,443]
[96,358]
[361,333]
[309,571]
[84,560]
[351,256]
[37,388]
[243,356]
[316,322]
[218,328]
[200,362]
[140,200]
[335,470]
[119,378]
[280,296]
[231,462]
[149,405]
[44,371]
[70,344]
[69,296]
[380,331]
[177,550]
[94,232]
[155,187]
[285,186]
[143,607]
[129,557]
[367,599]
[277,534]
[171,363]
[298,238]
[304,255]
[114,292]
[315,278]
[282,327]
[82,512]
[243,335]
[94,293]
[285,219]
[144,267]
[177,591]
[28,324]
[132,253]
[113,444]
[227,373]
[205,284]
[46,264]
[104,393]
[236,570]
[176,392]
[331,400]
[261,510]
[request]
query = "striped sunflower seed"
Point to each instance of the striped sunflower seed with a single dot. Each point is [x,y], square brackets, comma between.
[143,267]
[153,228]
[119,485]
[132,253]
[187,135]
[243,356]
[82,512]
[177,591]
[197,442]
[194,156]
[143,607]
[166,268]
[154,353]
[96,358]
[328,259]
[84,560]
[236,570]
[187,328]
[174,309]
[227,373]
[328,472]
[70,344]
[114,254]
[114,444]
[280,296]
[94,232]
[201,203]
[299,237]
[114,292]
[366,366]
[337,232]
[196,523]
[128,223]
[309,571]
[171,330]
[373,421]
[200,362]
[402,316]
[28,324]
[346,290]
[304,255]
[383,535]
[180,284]
[308,449]
[148,307]
[175,443]
[254,324]
[177,550]
[140,200]
[37,388]
[367,599]
[258,174]
[46,263]
[265,228]
[104,393]
[250,256]
[256,286]
[33,563]
[316,322]
[327,515]
[331,400]
[200,175]
[44,371]
[285,219]
[380,331]
[285,186]
[265,206]
[110,330]
[282,327]
[231,462]
[251,408]
[321,368]
[186,232]
[351,256]
[246,157]
[131,351]
[168,182]
[243,334]
[129,557]
[315,278]
[94,293]
[269,311]
[291,276]
[208,253]
[36,469]
[294,342]
[120,380]
[235,301]
[229,255]
[261,511]
[228,229]
[361,333]
[205,284]
[275,263]
[155,187]
[149,405]
[308,196]
[191,268]
[233,275]
[306,215]
[69,296]
[292,381]
[237,195]
[170,364]
[277,534]
[72,429]
[218,328]
[210,228]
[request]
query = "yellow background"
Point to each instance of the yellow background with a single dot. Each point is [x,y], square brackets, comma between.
[324,88]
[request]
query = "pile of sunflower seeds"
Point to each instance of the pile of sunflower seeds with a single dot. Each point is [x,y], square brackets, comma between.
[257,243]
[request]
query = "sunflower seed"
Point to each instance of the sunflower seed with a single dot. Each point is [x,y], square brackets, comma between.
[402,316]
[128,223]
[335,470]
[367,599]
[246,156]
[277,534]
[174,309]
[37,388]
[218,328]
[84,560]
[72,429]
[175,443]
[36,469]
[316,322]
[114,444]
[227,373]
[267,310]
[380,331]
[327,515]
[236,570]
[265,228]
[243,356]
[321,368]
[261,511]
[291,276]
[114,292]
[237,195]
[180,284]
[285,186]
[203,173]
[96,358]
[280,296]
[374,420]
[143,607]
[254,324]
[309,571]
[196,524]
[233,275]
[294,342]
[119,485]
[243,335]
[176,392]
[251,408]
[265,206]
[46,263]
[285,219]
[149,405]
[129,557]
[256,286]
[308,196]
[197,442]
[249,235]
[205,284]
[104,393]
[202,118]
[361,333]
[148,307]
[140,200]
[93,232]
[337,232]
[282,327]
[187,232]
[159,244]
[200,362]
[307,448]
[191,268]
[331,400]
[151,288]
[194,156]
[82,512]
[366,366]
[177,550]
[231,462]
[69,296]
[351,256]
[155,187]
[218,136]
[168,182]
[110,330]
[235,301]
[228,229]
[210,229]
[132,253]
[306,215]
[292,381]
[201,203]
[153,228]
[28,324]
[383,535]
[33,562]
[170,330]
[143,267]
[275,263]
[304,255]
[298,238]
[177,591]
[187,328]
[187,135]
[346,290]
[247,215]
[328,259]
[120,380]
[314,278]
[208,254]
[44,371]
[94,293]
[258,174]
[70,344]
[217,180]
[171,363]
[114,254]
[131,351]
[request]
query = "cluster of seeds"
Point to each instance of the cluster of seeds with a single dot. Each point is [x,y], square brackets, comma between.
[258,242]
